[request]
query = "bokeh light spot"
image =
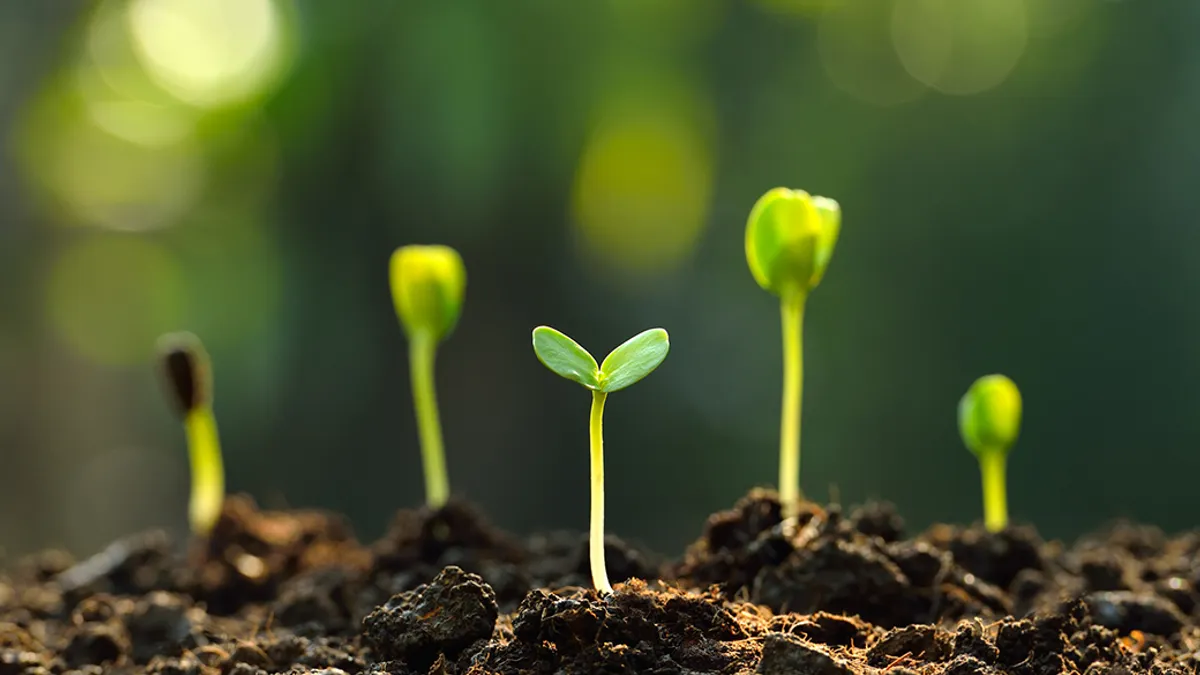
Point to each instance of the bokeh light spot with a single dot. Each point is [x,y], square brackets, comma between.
[118,94]
[669,20]
[110,296]
[209,53]
[109,181]
[1048,19]
[960,46]
[802,7]
[855,45]
[643,184]
[133,120]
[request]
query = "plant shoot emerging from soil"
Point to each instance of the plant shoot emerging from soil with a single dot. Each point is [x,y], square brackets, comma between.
[989,418]
[790,237]
[187,377]
[428,283]
[625,365]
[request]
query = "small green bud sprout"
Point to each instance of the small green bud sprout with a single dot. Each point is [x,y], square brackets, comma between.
[187,378]
[428,283]
[790,237]
[989,419]
[634,359]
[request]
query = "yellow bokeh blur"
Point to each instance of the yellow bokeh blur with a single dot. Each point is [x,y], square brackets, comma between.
[109,297]
[1050,18]
[960,46]
[644,181]
[855,48]
[139,122]
[803,7]
[669,20]
[209,53]
[98,178]
[118,94]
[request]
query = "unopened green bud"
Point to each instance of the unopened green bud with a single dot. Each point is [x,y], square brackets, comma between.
[790,237]
[989,415]
[428,283]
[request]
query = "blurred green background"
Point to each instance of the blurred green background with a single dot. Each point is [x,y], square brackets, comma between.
[1018,183]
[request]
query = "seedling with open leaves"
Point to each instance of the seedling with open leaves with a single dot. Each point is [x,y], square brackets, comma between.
[625,365]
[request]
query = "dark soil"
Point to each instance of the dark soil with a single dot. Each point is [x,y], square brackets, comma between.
[831,593]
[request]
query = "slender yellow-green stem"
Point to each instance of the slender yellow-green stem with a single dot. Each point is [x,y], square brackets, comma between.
[793,382]
[596,543]
[422,349]
[995,498]
[208,472]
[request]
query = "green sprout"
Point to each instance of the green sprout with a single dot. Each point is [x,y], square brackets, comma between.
[989,419]
[428,283]
[187,377]
[625,365]
[790,237]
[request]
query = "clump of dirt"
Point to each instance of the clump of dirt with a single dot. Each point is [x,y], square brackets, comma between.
[443,592]
[251,553]
[823,560]
[439,619]
[421,542]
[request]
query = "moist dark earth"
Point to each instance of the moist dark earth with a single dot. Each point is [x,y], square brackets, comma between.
[832,592]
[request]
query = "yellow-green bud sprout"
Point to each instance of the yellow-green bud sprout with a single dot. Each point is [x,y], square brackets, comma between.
[790,237]
[633,360]
[989,419]
[187,377]
[428,283]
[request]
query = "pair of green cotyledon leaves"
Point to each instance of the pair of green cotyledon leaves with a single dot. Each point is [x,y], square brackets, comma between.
[636,358]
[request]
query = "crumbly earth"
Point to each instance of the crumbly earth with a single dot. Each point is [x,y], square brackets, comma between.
[444,593]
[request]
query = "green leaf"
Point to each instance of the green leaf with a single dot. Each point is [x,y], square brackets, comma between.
[634,359]
[565,357]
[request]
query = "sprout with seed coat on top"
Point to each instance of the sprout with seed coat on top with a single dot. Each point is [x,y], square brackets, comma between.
[187,377]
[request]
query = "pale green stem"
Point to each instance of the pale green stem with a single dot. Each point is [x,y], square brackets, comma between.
[422,349]
[208,472]
[995,499]
[596,542]
[789,427]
